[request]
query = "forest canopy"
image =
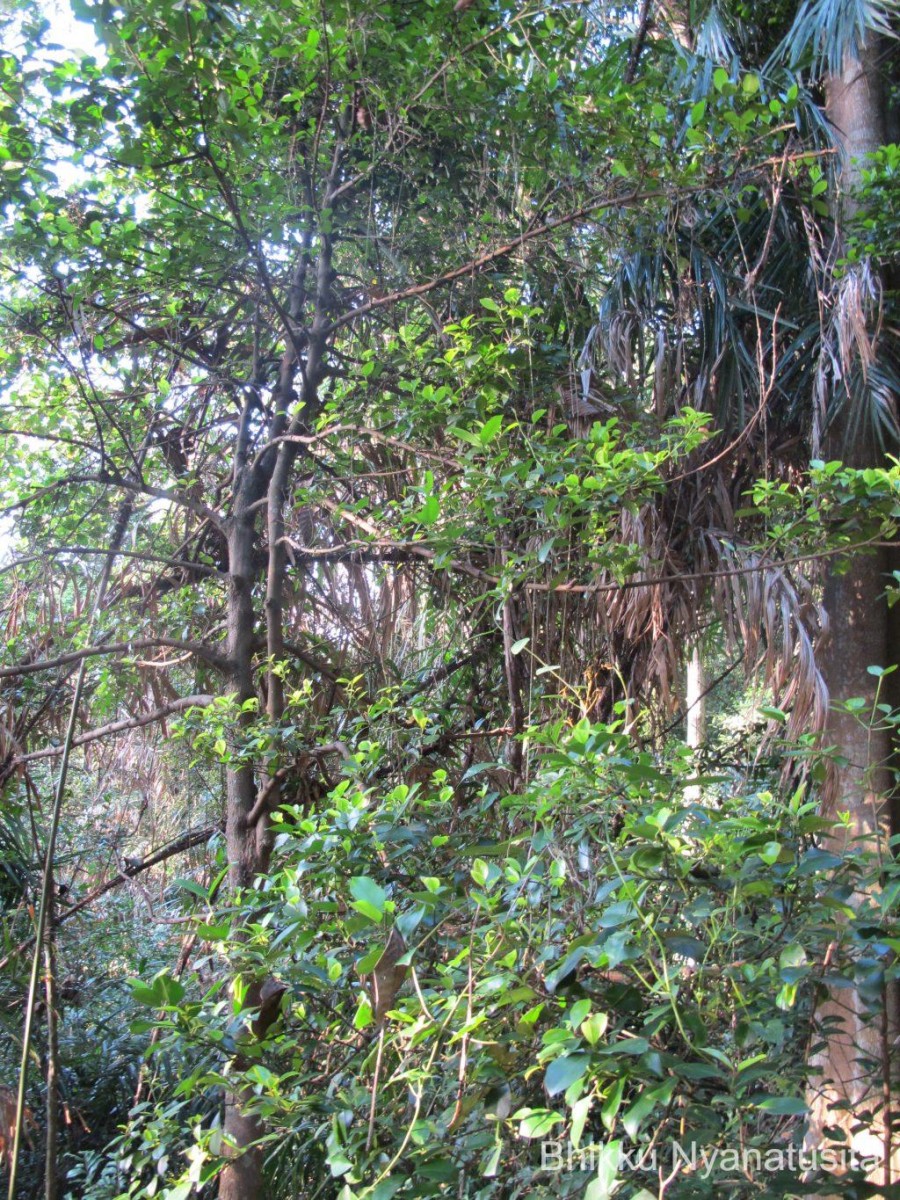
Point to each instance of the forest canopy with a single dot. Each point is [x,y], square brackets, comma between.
[449,507]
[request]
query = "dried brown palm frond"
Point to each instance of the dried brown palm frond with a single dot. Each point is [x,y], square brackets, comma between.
[856,379]
[582,408]
[9,742]
[8,1122]
[774,614]
[628,639]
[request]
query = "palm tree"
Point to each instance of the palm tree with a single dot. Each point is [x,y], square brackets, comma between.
[739,310]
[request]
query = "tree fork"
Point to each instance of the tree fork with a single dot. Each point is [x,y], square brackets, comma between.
[267,477]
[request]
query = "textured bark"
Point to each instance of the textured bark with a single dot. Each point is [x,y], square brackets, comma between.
[855,1040]
[853,1061]
[243,859]
[242,1178]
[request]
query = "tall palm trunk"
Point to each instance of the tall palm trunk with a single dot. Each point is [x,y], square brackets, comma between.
[851,1087]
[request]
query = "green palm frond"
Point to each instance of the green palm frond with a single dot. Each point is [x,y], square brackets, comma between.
[17,865]
[715,37]
[824,32]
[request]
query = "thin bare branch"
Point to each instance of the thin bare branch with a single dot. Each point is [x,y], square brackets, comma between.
[71,656]
[181,564]
[201,700]
[193,837]
[130,485]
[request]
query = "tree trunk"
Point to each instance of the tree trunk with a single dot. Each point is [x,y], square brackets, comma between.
[852,1064]
[242,1178]
[265,478]
[850,1088]
[51,1157]
[695,699]
[695,710]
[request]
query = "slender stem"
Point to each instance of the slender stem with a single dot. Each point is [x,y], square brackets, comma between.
[51,1177]
[46,885]
[118,536]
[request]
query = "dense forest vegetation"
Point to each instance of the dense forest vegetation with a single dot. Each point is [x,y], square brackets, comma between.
[449,511]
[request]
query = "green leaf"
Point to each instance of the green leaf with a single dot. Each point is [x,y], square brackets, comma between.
[368,910]
[518,995]
[645,1104]
[179,1192]
[161,992]
[603,1186]
[214,933]
[465,435]
[628,1046]
[363,1016]
[782,1106]
[142,994]
[580,1110]
[579,1012]
[190,885]
[563,1072]
[686,947]
[367,893]
[430,511]
[594,1028]
[536,1122]
[490,429]
[544,552]
[612,1103]
[491,1161]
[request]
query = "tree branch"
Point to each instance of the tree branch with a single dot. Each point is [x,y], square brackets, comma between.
[638,44]
[131,485]
[71,656]
[201,700]
[474,265]
[53,551]
[187,841]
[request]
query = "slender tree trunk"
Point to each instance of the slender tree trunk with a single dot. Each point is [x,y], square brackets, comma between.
[515,752]
[242,1178]
[695,699]
[855,1040]
[695,706]
[266,478]
[51,1158]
